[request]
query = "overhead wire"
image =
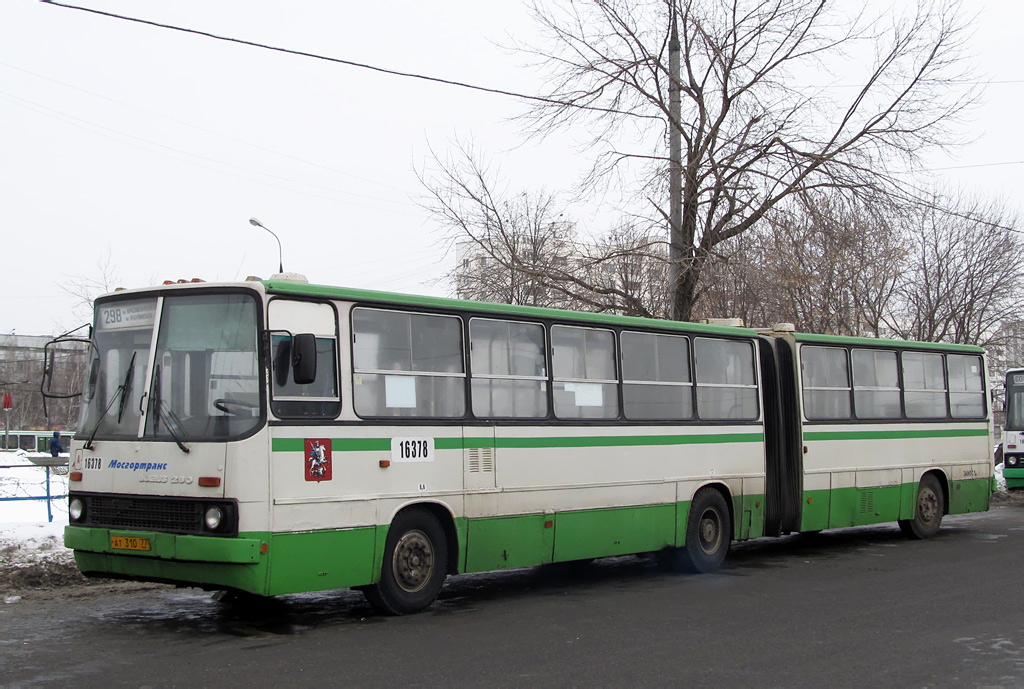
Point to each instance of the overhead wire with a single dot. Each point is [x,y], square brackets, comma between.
[424,77]
[169,150]
[336,60]
[203,129]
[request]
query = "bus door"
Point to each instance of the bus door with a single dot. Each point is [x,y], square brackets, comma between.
[783,449]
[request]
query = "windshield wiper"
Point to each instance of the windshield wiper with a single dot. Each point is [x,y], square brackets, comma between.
[125,387]
[167,417]
[122,389]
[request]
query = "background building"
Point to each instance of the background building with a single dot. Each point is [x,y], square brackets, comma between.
[22,363]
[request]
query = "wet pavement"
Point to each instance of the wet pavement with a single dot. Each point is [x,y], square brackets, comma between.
[847,608]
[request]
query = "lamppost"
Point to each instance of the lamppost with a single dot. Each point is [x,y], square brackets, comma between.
[280,255]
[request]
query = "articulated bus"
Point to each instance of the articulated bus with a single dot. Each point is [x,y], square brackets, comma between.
[272,437]
[1013,430]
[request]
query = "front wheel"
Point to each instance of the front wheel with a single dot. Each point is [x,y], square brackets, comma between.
[708,534]
[928,510]
[414,567]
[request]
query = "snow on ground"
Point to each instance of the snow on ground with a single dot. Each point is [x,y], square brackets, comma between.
[31,547]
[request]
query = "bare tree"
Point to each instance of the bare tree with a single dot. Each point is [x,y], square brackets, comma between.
[86,288]
[749,118]
[817,261]
[514,247]
[961,280]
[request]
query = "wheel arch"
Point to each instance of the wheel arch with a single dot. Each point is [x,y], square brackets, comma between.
[446,518]
[726,494]
[943,480]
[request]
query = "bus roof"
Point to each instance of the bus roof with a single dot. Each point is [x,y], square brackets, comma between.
[390,298]
[874,341]
[417,300]
[361,295]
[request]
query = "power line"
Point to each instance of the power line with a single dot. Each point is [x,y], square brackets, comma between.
[412,75]
[195,158]
[337,60]
[204,129]
[963,167]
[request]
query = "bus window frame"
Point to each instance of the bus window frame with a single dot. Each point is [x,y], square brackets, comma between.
[285,413]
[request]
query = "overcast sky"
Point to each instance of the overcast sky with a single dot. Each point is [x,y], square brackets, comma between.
[151,148]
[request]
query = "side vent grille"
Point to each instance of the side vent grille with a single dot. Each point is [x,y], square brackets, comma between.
[867,502]
[481,460]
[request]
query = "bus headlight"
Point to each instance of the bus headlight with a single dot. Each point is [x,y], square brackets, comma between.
[76,508]
[214,517]
[1011,461]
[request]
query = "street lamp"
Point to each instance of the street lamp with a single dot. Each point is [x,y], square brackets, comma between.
[280,257]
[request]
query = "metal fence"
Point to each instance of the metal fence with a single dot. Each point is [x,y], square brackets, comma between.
[58,468]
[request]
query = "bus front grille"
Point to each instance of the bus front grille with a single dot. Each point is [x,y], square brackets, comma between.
[144,513]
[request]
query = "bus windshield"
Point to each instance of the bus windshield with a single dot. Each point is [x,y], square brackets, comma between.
[1014,402]
[203,381]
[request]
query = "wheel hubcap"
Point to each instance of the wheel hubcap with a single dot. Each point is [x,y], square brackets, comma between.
[413,561]
[927,506]
[709,531]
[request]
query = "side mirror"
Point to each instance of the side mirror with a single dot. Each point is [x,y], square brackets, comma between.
[282,362]
[304,358]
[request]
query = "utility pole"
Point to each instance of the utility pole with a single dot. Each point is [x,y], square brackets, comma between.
[675,170]
[7,420]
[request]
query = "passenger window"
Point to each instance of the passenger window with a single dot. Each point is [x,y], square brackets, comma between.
[509,372]
[585,380]
[656,380]
[726,382]
[966,396]
[924,385]
[407,364]
[876,384]
[321,398]
[826,382]
[318,399]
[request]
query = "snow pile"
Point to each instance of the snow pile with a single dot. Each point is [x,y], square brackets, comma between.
[32,551]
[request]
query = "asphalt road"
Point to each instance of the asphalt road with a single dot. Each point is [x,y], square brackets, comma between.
[858,607]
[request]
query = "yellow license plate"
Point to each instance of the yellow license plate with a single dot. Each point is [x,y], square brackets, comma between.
[129,543]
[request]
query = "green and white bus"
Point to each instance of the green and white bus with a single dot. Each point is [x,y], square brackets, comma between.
[273,437]
[1013,430]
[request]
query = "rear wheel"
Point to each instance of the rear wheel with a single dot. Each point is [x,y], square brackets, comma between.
[414,567]
[708,533]
[928,510]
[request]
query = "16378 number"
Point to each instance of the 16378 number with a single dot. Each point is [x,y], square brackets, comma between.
[412,449]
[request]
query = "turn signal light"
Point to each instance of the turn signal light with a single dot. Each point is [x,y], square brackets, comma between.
[75,476]
[209,481]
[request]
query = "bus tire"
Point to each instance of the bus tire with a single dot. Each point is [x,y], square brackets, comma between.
[928,510]
[414,566]
[708,533]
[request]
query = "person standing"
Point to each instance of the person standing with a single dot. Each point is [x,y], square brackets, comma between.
[55,448]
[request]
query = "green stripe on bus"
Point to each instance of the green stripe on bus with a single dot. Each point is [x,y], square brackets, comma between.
[337,444]
[630,440]
[384,444]
[896,435]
